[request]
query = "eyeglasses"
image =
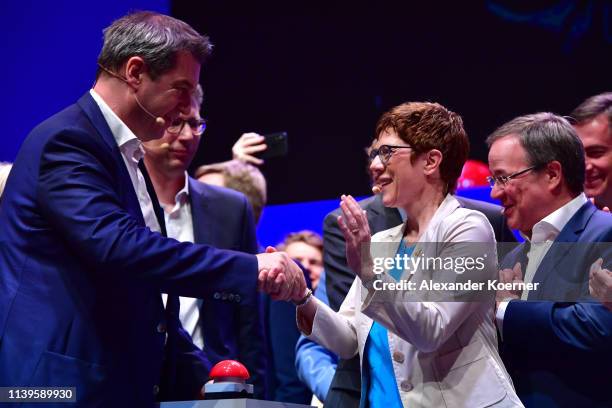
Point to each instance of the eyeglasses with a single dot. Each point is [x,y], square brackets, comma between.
[503,180]
[384,153]
[198,126]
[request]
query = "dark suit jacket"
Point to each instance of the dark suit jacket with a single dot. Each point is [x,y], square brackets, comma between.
[345,389]
[559,353]
[81,275]
[223,218]
[283,383]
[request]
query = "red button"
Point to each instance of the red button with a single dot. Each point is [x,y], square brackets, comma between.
[229,368]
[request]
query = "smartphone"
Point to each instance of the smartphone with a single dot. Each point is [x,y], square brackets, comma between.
[277,145]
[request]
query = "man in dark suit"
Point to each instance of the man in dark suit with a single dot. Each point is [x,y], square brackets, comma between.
[556,347]
[345,389]
[81,262]
[593,123]
[212,215]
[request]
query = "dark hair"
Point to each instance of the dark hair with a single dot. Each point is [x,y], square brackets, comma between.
[547,137]
[426,126]
[594,106]
[154,37]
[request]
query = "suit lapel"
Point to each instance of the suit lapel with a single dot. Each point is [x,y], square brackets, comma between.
[557,254]
[93,113]
[202,228]
[159,211]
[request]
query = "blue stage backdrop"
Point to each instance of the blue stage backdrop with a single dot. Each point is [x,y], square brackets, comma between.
[279,220]
[50,50]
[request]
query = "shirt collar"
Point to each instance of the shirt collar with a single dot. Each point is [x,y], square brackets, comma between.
[181,198]
[125,138]
[183,192]
[550,226]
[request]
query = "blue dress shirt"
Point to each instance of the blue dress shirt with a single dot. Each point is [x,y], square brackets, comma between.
[378,385]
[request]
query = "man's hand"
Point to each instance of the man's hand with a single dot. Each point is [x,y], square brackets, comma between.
[600,283]
[246,146]
[514,275]
[279,276]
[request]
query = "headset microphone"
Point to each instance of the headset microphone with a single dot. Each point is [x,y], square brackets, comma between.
[158,119]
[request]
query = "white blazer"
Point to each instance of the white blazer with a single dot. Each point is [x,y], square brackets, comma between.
[444,353]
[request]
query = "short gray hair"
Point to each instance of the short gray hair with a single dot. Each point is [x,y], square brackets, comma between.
[154,37]
[547,137]
[594,106]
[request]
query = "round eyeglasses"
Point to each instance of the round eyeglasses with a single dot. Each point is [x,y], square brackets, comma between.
[198,126]
[384,153]
[503,180]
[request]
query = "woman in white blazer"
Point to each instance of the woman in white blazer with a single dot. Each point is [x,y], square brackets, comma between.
[427,353]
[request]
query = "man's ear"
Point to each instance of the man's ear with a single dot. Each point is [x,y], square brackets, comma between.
[133,70]
[554,173]
[433,158]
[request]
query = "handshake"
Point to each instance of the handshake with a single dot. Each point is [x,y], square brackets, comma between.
[280,277]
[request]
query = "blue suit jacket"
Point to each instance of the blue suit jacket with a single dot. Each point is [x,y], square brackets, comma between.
[81,275]
[559,353]
[223,218]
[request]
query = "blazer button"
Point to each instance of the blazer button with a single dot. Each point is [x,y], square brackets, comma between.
[155,389]
[217,295]
[398,357]
[161,328]
[406,386]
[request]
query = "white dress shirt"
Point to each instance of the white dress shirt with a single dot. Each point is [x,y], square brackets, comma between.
[179,225]
[543,236]
[132,152]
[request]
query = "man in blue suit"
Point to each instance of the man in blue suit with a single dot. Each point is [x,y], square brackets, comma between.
[555,345]
[81,262]
[593,123]
[207,214]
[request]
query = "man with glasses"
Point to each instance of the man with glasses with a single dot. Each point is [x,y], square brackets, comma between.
[554,345]
[82,261]
[196,212]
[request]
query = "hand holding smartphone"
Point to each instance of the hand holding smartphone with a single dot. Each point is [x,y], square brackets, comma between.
[277,145]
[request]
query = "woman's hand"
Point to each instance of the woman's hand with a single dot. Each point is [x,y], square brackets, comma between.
[354,226]
[279,276]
